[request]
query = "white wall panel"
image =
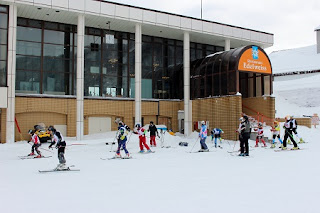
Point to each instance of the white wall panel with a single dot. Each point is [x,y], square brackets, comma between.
[122,11]
[207,27]
[254,36]
[25,1]
[174,21]
[136,14]
[108,9]
[237,32]
[246,34]
[92,6]
[46,2]
[196,25]
[162,19]
[149,16]
[60,3]
[185,23]
[227,31]
[3,97]
[76,5]
[217,28]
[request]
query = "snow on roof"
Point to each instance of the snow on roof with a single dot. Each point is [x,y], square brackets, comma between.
[292,60]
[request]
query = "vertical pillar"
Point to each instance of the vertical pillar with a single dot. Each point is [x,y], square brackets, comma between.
[80,74]
[137,79]
[227,44]
[12,38]
[186,86]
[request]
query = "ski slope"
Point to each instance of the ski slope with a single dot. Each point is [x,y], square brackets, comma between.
[171,179]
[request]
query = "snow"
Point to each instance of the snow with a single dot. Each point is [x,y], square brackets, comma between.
[293,60]
[172,179]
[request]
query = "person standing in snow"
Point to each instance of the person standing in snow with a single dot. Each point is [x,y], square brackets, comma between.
[294,128]
[288,126]
[122,140]
[244,135]
[216,134]
[153,132]
[260,135]
[58,139]
[203,137]
[142,138]
[276,134]
[315,120]
[36,143]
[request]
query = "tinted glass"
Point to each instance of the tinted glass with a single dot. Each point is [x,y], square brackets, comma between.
[3,73]
[28,48]
[3,36]
[28,63]
[3,52]
[3,20]
[53,83]
[28,82]
[28,34]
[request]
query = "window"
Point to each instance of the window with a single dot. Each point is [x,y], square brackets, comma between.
[3,45]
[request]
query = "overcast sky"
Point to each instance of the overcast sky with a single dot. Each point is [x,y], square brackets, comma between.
[291,21]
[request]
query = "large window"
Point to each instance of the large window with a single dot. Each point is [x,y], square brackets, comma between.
[3,45]
[45,57]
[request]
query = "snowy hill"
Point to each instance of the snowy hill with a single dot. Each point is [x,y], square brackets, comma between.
[293,60]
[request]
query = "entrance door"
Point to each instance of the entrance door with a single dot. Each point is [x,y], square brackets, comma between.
[99,124]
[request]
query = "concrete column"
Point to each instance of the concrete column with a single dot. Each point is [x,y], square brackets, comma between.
[318,40]
[80,75]
[12,40]
[186,86]
[138,68]
[227,44]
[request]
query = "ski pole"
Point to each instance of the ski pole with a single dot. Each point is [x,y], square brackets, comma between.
[42,148]
[113,141]
[194,144]
[129,138]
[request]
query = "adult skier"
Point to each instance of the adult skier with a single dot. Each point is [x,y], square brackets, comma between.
[58,139]
[122,140]
[216,134]
[142,138]
[288,126]
[244,135]
[259,137]
[294,128]
[203,137]
[153,132]
[36,143]
[276,134]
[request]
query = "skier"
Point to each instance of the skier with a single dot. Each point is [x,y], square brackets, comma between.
[294,128]
[244,135]
[58,139]
[260,135]
[288,126]
[216,134]
[142,138]
[203,137]
[275,134]
[36,143]
[122,139]
[153,130]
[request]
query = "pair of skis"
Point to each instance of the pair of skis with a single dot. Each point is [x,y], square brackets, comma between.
[32,157]
[69,169]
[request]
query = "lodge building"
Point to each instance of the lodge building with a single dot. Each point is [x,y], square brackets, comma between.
[81,64]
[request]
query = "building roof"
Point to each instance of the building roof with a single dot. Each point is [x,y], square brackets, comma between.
[293,60]
[317,28]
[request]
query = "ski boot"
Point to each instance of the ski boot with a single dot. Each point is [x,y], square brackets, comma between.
[127,156]
[273,146]
[32,153]
[301,140]
[256,145]
[118,155]
[246,154]
[149,151]
[284,148]
[289,141]
[141,151]
[295,148]
[241,154]
[206,150]
[38,156]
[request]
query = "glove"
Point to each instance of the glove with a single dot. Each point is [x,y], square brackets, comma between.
[122,137]
[28,141]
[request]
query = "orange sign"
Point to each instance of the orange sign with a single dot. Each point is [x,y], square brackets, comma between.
[254,60]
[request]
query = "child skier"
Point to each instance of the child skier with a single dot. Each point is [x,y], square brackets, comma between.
[58,139]
[276,134]
[294,128]
[203,137]
[216,134]
[36,143]
[153,131]
[260,135]
[244,131]
[288,126]
[122,140]
[142,138]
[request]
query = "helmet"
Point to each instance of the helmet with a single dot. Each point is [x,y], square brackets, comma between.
[51,128]
[120,123]
[138,125]
[30,131]
[203,123]
[259,124]
[287,117]
[241,119]
[151,122]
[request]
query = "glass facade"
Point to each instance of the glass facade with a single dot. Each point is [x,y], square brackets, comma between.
[3,45]
[46,57]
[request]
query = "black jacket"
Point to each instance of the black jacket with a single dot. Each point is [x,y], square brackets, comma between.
[153,130]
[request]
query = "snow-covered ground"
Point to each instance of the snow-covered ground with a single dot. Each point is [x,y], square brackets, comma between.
[171,179]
